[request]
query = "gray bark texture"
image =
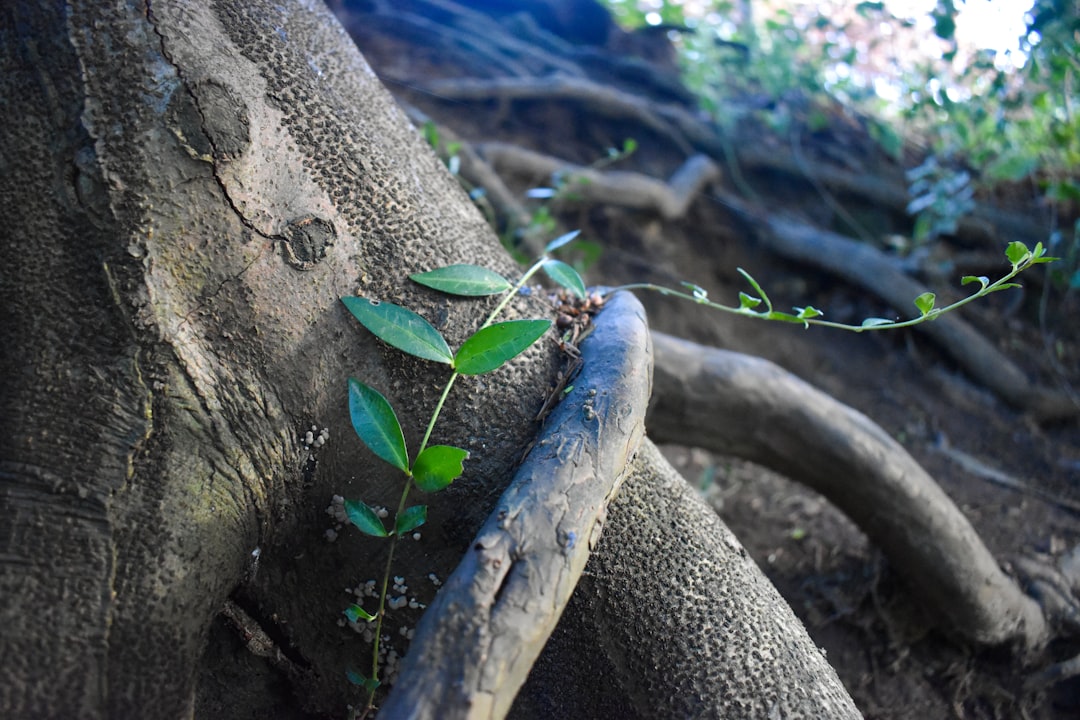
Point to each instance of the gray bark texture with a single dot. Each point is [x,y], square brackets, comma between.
[188,188]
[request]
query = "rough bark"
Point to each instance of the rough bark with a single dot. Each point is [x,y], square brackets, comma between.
[188,192]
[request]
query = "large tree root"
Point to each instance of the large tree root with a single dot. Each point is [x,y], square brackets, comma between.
[673,619]
[787,425]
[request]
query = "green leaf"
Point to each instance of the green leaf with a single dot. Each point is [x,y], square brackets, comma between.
[1017,252]
[875,322]
[438,466]
[377,425]
[360,679]
[1006,286]
[560,241]
[981,279]
[364,518]
[808,312]
[355,613]
[401,328]
[757,288]
[925,302]
[410,519]
[748,302]
[465,280]
[490,347]
[565,276]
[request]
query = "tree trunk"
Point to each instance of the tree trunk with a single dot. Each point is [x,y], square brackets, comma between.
[188,190]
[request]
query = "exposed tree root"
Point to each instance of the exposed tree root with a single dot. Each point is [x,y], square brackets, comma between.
[598,99]
[477,641]
[749,407]
[672,607]
[673,619]
[626,189]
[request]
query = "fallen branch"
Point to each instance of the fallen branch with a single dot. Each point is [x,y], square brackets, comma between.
[477,641]
[787,425]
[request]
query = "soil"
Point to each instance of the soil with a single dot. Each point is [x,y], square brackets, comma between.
[1018,481]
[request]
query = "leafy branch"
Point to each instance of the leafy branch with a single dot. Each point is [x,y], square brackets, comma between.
[1018,254]
[434,467]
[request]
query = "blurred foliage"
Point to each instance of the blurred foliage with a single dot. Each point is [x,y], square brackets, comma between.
[976,118]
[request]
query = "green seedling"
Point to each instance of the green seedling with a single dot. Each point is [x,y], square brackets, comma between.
[1018,254]
[434,467]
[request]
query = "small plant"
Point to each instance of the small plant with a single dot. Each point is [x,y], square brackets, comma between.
[434,467]
[1018,254]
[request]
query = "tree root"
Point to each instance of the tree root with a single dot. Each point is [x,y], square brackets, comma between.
[625,189]
[600,99]
[672,618]
[787,425]
[477,641]
[671,605]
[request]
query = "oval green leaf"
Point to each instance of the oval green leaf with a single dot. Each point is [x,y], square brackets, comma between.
[364,518]
[466,280]
[560,241]
[401,328]
[490,347]
[377,425]
[369,684]
[925,302]
[875,322]
[355,613]
[748,302]
[1017,252]
[808,312]
[565,276]
[410,519]
[981,279]
[438,466]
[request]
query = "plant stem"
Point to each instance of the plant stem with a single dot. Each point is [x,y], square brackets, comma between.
[771,315]
[513,291]
[381,613]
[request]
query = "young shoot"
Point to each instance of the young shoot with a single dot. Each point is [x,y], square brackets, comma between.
[1018,254]
[433,467]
